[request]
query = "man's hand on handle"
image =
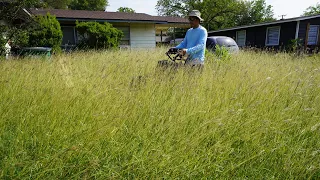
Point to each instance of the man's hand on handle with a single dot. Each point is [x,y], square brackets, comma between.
[183,52]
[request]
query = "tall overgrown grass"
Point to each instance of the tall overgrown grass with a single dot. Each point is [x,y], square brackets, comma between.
[113,115]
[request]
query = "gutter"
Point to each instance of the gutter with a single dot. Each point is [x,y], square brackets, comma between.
[268,23]
[100,20]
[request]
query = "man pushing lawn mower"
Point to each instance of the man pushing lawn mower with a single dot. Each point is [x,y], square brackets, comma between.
[193,45]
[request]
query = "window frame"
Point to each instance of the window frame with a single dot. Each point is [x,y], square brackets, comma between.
[74,34]
[245,37]
[124,39]
[267,31]
[317,38]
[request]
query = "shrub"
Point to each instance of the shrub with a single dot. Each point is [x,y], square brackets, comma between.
[222,53]
[46,33]
[21,37]
[98,36]
[293,45]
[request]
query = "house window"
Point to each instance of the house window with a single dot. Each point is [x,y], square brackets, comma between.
[126,35]
[241,38]
[273,36]
[69,35]
[313,35]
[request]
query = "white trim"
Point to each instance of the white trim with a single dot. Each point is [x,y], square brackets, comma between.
[297,30]
[279,27]
[245,36]
[27,12]
[308,17]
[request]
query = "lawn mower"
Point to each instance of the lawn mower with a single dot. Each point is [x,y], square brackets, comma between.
[175,59]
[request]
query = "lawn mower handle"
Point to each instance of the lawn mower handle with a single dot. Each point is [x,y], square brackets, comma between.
[174,51]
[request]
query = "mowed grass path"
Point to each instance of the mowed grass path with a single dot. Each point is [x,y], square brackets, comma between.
[112,115]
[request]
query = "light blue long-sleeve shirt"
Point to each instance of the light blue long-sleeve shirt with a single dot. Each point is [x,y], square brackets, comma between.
[195,43]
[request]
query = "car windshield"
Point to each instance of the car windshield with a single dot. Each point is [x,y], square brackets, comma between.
[210,43]
[227,42]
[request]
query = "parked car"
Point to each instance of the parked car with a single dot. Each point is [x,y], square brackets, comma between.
[176,42]
[212,41]
[222,41]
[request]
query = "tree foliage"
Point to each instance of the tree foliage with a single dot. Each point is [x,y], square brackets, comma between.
[91,5]
[94,5]
[15,21]
[219,13]
[126,9]
[312,10]
[56,4]
[253,12]
[11,11]
[98,36]
[46,33]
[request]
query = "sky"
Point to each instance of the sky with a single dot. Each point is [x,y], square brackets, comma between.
[290,8]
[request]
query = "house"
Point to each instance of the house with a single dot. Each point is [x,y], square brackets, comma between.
[277,34]
[139,29]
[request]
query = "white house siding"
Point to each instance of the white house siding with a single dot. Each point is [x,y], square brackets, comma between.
[142,36]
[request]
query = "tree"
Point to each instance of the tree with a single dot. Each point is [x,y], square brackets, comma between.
[98,36]
[11,10]
[57,4]
[91,5]
[126,10]
[11,15]
[219,14]
[253,12]
[16,20]
[176,7]
[312,10]
[46,33]
[214,12]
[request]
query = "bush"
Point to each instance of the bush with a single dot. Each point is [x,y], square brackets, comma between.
[222,53]
[46,33]
[294,45]
[98,36]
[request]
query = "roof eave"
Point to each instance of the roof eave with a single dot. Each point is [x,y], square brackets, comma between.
[268,23]
[249,26]
[112,20]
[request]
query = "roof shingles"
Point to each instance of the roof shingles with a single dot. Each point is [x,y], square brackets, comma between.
[102,15]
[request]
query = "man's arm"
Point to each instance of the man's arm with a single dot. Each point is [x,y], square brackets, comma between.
[183,44]
[201,43]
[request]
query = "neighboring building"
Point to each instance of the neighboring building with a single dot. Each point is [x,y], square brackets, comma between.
[139,29]
[276,34]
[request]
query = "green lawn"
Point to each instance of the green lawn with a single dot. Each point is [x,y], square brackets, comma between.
[113,115]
